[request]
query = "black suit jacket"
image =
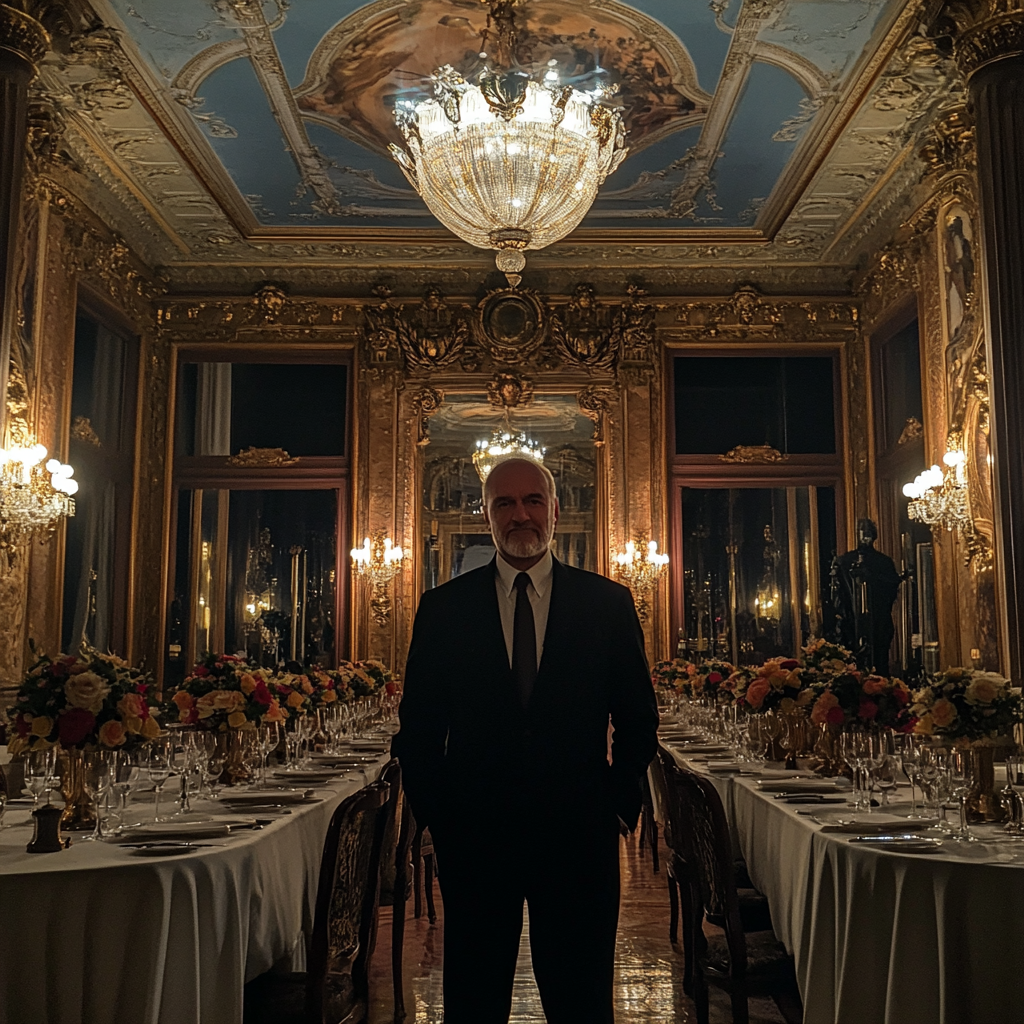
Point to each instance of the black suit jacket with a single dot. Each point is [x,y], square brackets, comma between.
[467,743]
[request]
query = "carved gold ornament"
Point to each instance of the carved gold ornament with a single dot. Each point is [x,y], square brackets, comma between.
[23,34]
[508,391]
[912,430]
[262,458]
[426,402]
[753,453]
[81,430]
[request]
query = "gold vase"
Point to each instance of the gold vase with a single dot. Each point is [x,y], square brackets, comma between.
[79,809]
[983,803]
[236,771]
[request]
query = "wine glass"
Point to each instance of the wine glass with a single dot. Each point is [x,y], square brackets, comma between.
[97,782]
[37,774]
[960,778]
[158,765]
[126,777]
[910,761]
[885,777]
[269,738]
[932,765]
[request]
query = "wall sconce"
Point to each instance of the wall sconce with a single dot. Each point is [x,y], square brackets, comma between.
[378,561]
[938,496]
[639,567]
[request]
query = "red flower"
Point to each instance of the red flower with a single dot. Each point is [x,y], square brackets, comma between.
[193,716]
[74,725]
[261,695]
[24,728]
[200,670]
[789,664]
[835,715]
[391,688]
[868,710]
[715,677]
[141,687]
[901,695]
[60,668]
[908,725]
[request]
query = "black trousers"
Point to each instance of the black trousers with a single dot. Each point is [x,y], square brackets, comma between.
[567,874]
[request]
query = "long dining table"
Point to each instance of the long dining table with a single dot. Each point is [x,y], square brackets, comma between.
[97,934]
[880,936]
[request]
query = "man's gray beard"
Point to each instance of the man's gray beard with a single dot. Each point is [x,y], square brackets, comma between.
[525,545]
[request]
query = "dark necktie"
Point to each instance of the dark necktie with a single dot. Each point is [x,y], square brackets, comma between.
[524,642]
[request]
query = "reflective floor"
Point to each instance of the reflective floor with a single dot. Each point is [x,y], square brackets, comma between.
[648,976]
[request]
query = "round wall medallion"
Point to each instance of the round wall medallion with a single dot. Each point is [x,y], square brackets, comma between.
[510,324]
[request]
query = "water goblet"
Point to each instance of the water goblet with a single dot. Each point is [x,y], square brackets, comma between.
[960,777]
[37,774]
[96,782]
[269,738]
[126,776]
[158,766]
[910,760]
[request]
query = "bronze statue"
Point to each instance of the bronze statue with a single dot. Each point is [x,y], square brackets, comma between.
[864,588]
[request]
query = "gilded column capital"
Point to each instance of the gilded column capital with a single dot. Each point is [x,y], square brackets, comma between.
[985,31]
[23,35]
[949,144]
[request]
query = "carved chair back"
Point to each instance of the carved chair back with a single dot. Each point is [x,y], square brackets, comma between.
[344,925]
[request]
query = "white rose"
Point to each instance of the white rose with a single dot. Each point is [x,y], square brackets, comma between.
[86,690]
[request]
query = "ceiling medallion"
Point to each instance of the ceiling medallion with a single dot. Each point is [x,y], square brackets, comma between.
[509,163]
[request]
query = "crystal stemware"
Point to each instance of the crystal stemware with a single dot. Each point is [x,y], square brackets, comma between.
[158,766]
[960,778]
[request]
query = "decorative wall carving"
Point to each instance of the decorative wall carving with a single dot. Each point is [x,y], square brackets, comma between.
[511,325]
[984,31]
[594,403]
[582,330]
[753,453]
[509,391]
[262,458]
[433,335]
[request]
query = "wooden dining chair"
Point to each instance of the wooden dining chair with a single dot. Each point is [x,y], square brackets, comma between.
[335,987]
[395,881]
[742,962]
[649,823]
[424,869]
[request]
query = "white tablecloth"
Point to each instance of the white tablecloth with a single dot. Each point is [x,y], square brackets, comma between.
[881,937]
[96,935]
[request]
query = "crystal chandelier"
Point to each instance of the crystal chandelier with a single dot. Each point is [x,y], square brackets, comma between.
[378,561]
[34,496]
[509,163]
[502,445]
[938,496]
[640,567]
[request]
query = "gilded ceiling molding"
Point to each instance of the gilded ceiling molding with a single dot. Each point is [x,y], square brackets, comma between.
[985,31]
[949,144]
[24,35]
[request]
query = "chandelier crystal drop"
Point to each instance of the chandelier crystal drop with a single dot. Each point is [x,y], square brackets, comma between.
[939,497]
[502,445]
[509,162]
[35,495]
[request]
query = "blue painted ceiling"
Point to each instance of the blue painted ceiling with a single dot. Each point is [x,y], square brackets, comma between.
[294,100]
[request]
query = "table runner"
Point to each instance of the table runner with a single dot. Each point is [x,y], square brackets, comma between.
[881,937]
[94,935]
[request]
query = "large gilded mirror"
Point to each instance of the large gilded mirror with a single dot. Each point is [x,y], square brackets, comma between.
[453,535]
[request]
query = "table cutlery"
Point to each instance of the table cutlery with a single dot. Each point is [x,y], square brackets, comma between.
[810,798]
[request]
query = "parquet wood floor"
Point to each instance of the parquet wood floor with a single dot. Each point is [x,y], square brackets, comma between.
[648,978]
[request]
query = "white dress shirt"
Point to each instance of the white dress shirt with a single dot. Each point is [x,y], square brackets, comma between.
[539,592]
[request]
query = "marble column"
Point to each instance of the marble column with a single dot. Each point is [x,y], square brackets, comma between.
[23,43]
[988,38]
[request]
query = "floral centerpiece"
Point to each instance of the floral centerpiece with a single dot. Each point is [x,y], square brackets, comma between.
[80,701]
[375,674]
[711,679]
[777,685]
[966,707]
[855,698]
[225,692]
[670,677]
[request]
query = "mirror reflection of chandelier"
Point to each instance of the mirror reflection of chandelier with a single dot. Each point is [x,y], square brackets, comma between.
[34,495]
[504,444]
[509,163]
[938,496]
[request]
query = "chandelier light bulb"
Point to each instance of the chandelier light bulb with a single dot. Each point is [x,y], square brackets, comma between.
[940,497]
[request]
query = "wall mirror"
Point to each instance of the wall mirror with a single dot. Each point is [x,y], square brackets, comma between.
[453,535]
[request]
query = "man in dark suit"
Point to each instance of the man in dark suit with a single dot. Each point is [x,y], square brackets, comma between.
[514,671]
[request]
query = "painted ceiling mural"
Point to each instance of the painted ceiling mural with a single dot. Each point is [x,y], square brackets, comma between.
[292,101]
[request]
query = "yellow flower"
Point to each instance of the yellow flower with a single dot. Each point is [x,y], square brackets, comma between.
[150,728]
[17,745]
[133,725]
[42,726]
[925,725]
[236,719]
[247,683]
[804,697]
[295,699]
[943,713]
[328,696]
[112,734]
[984,688]
[307,686]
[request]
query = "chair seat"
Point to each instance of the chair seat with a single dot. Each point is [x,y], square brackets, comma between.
[754,912]
[767,960]
[276,999]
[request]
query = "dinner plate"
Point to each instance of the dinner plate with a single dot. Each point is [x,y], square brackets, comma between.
[702,748]
[283,795]
[860,827]
[165,849]
[174,830]
[803,785]
[899,844]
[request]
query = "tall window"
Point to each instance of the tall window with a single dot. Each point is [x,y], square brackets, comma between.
[101,449]
[756,502]
[261,468]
